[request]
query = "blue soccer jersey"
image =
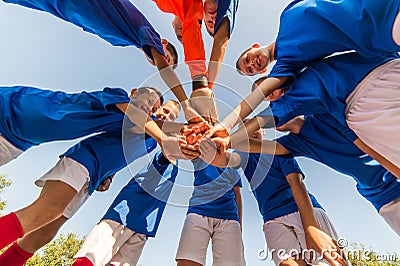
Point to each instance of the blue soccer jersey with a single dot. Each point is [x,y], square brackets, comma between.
[267,177]
[213,194]
[310,30]
[324,87]
[107,153]
[141,203]
[118,22]
[226,9]
[321,138]
[32,116]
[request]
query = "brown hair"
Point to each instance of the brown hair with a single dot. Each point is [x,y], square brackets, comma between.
[171,48]
[147,89]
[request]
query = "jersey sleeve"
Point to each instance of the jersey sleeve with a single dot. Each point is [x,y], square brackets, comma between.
[289,165]
[226,9]
[291,142]
[112,96]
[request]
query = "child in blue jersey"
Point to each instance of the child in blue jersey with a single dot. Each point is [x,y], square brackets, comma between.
[120,23]
[313,29]
[214,213]
[368,27]
[293,218]
[320,137]
[64,116]
[325,87]
[80,170]
[134,216]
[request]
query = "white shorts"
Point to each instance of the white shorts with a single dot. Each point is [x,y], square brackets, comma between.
[77,201]
[226,237]
[391,214]
[68,171]
[110,241]
[373,110]
[8,152]
[285,235]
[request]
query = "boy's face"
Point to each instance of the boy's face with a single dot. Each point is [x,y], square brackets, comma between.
[169,111]
[177,25]
[210,15]
[254,61]
[148,101]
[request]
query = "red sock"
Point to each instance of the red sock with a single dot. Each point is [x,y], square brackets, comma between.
[10,229]
[82,262]
[14,256]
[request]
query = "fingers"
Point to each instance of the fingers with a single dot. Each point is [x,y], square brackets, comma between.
[333,257]
[190,154]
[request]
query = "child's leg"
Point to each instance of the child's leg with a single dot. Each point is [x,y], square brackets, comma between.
[130,251]
[396,29]
[34,240]
[8,151]
[227,244]
[60,185]
[52,201]
[196,233]
[25,247]
[391,213]
[103,242]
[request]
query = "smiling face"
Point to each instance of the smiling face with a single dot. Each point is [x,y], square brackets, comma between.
[169,111]
[146,100]
[210,15]
[253,61]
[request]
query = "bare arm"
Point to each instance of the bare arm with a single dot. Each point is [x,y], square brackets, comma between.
[168,75]
[135,115]
[221,39]
[238,199]
[316,239]
[169,127]
[382,160]
[249,104]
[170,78]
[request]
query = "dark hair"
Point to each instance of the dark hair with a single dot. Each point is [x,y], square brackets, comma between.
[237,61]
[146,90]
[171,48]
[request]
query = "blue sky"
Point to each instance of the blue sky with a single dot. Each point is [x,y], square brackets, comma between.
[40,50]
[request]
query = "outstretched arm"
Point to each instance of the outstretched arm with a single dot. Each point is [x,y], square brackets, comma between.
[170,78]
[238,199]
[382,160]
[221,39]
[249,104]
[316,239]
